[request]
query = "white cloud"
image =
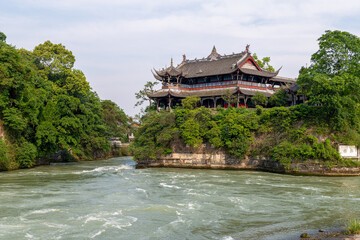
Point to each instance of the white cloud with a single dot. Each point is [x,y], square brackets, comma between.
[116,43]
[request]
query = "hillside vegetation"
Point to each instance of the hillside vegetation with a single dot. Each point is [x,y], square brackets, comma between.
[46,105]
[310,131]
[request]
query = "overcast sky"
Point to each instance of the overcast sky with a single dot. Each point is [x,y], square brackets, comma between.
[117,42]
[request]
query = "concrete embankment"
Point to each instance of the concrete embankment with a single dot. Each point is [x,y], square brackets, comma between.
[220,160]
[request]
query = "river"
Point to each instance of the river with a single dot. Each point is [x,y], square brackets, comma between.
[110,199]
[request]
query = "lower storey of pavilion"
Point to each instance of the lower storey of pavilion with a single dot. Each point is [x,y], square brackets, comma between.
[212,98]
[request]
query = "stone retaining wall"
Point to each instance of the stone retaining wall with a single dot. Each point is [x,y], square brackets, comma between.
[220,160]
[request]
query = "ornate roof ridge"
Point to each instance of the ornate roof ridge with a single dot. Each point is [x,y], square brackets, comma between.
[233,55]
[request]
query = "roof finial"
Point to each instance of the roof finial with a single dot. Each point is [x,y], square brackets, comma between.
[184,58]
[213,52]
[213,55]
[172,64]
[247,48]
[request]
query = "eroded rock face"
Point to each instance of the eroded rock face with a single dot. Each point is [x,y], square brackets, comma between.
[2,131]
[223,161]
[210,157]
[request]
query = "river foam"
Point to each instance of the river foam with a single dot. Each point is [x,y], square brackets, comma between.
[110,200]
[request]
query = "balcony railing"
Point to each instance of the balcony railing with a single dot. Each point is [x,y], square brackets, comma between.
[216,84]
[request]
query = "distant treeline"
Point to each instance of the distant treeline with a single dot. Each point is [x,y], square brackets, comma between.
[46,106]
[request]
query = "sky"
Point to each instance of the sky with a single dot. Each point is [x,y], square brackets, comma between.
[117,42]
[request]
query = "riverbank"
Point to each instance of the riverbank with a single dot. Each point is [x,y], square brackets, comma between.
[291,140]
[330,235]
[220,160]
[122,151]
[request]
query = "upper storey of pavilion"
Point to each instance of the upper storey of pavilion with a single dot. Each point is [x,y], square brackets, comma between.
[217,67]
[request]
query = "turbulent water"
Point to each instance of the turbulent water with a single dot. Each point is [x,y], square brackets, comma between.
[111,200]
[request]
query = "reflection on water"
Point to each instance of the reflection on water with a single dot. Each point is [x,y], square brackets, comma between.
[111,200]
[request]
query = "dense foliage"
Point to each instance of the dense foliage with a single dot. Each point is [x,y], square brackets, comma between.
[284,134]
[332,80]
[46,105]
[264,62]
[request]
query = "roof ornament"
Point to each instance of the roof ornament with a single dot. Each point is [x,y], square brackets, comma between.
[172,63]
[184,58]
[213,55]
[247,48]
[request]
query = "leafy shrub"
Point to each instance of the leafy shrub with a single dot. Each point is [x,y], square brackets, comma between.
[259,99]
[284,153]
[66,156]
[14,120]
[25,154]
[279,98]
[4,156]
[287,152]
[190,102]
[154,136]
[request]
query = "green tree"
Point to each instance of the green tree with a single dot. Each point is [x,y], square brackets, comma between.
[115,119]
[332,77]
[155,135]
[142,94]
[229,98]
[54,58]
[46,105]
[55,63]
[2,37]
[338,53]
[264,62]
[259,99]
[279,98]
[190,102]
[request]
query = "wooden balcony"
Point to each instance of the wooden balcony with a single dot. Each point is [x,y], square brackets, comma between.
[232,83]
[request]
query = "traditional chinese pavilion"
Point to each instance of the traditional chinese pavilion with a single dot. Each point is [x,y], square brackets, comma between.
[214,77]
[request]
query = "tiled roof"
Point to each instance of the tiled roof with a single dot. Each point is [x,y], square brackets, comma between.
[215,64]
[263,73]
[283,79]
[206,67]
[253,92]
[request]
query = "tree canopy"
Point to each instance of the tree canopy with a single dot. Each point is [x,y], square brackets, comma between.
[264,62]
[331,79]
[338,53]
[2,37]
[46,105]
[260,99]
[142,96]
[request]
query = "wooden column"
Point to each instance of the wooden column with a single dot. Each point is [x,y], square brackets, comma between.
[237,102]
[169,105]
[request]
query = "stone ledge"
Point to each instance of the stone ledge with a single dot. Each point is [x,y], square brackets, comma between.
[223,161]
